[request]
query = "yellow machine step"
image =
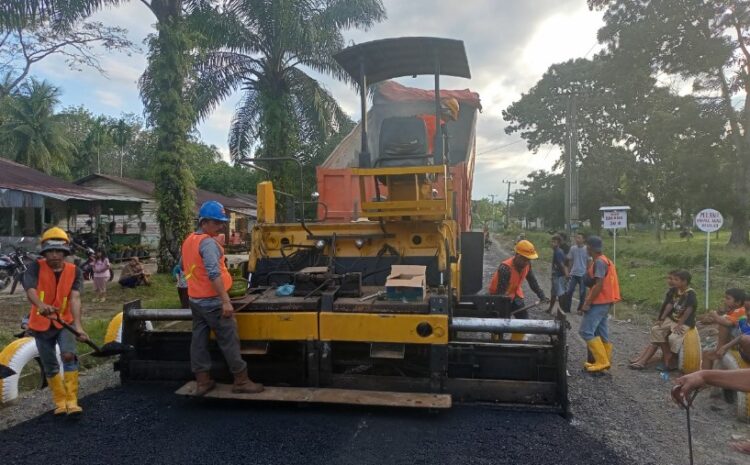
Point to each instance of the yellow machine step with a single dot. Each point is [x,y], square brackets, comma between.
[329,396]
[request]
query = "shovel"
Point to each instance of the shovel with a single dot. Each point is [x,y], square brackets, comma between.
[107,350]
[6,372]
[685,403]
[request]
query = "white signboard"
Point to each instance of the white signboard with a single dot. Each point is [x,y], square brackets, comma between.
[709,220]
[614,219]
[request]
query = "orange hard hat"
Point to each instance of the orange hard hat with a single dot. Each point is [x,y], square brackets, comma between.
[526,249]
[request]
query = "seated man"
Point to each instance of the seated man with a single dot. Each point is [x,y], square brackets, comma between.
[133,275]
[676,317]
[728,323]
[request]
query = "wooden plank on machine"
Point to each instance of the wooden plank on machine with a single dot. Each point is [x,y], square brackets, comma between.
[329,396]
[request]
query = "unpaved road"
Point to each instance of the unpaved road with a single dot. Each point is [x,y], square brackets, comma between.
[622,418]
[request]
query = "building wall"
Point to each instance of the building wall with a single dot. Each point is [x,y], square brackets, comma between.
[149,236]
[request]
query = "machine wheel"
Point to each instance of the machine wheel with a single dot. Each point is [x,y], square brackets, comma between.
[689,358]
[733,361]
[16,355]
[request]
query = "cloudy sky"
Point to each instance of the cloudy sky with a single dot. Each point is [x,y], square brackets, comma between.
[510,43]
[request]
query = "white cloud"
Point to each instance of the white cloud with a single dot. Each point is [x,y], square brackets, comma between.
[109,98]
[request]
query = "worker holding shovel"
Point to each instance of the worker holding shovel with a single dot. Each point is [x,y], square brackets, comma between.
[53,288]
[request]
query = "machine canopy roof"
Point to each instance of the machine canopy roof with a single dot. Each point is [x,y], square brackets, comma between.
[404,56]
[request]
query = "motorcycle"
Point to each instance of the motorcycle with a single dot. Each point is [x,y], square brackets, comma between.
[13,266]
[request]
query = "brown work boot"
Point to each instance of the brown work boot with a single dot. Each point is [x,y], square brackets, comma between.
[203,383]
[243,384]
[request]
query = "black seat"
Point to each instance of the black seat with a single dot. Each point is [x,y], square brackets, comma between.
[403,142]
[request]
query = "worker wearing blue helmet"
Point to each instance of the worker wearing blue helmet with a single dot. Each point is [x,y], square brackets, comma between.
[208,283]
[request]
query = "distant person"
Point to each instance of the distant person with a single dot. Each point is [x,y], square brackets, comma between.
[734,300]
[53,287]
[604,292]
[235,238]
[509,278]
[102,270]
[208,283]
[578,259]
[559,272]
[182,287]
[449,108]
[676,318]
[133,275]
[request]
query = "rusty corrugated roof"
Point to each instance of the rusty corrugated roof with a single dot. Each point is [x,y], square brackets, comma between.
[148,187]
[19,177]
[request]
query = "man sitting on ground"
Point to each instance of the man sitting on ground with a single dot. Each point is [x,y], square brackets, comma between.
[133,275]
[674,321]
[728,324]
[648,353]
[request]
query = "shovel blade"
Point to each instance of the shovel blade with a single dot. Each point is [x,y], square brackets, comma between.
[111,349]
[6,372]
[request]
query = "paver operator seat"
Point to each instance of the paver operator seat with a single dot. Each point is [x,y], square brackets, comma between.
[403,142]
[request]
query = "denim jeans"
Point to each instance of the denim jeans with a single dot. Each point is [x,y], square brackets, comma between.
[47,341]
[594,323]
[575,280]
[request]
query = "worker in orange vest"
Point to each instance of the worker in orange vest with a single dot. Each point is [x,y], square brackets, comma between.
[208,282]
[53,286]
[510,275]
[601,277]
[449,111]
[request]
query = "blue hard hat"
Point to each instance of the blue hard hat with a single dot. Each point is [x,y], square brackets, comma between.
[212,210]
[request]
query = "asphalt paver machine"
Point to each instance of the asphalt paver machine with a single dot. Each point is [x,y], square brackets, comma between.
[382,310]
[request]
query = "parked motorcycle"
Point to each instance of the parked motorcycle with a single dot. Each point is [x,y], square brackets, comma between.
[13,266]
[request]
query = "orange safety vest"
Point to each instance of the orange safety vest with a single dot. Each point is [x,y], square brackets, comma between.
[429,124]
[611,285]
[515,286]
[55,292]
[199,286]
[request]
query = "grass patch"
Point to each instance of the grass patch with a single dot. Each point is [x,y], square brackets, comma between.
[643,263]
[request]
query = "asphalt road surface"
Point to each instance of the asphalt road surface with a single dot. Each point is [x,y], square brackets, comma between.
[148,424]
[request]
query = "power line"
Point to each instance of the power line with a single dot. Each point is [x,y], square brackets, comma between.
[492,149]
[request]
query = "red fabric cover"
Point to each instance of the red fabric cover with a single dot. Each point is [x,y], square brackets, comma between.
[392,91]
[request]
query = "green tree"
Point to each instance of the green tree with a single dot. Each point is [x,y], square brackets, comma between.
[703,42]
[33,133]
[267,49]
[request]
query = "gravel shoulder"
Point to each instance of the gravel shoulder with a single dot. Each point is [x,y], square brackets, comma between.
[632,411]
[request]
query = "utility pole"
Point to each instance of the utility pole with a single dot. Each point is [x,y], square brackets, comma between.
[507,204]
[493,209]
[571,165]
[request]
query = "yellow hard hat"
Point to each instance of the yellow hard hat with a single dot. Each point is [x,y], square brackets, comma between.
[55,239]
[55,233]
[450,105]
[526,249]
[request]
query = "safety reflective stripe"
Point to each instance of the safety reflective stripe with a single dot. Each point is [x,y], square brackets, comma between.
[190,273]
[41,297]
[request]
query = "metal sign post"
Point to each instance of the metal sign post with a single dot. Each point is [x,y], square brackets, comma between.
[614,218]
[708,221]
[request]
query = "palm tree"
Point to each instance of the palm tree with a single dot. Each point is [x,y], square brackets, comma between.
[33,132]
[267,48]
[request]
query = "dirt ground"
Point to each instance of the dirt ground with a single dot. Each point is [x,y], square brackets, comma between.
[632,410]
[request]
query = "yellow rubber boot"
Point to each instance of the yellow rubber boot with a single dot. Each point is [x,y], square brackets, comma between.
[608,349]
[57,388]
[517,337]
[596,346]
[71,393]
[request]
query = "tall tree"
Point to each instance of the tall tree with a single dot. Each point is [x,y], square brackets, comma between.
[33,134]
[267,48]
[164,98]
[705,42]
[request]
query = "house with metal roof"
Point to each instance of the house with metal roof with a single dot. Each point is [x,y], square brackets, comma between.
[30,201]
[242,211]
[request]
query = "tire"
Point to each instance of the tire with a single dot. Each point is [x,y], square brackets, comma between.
[16,280]
[733,361]
[16,355]
[689,358]
[114,329]
[5,279]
